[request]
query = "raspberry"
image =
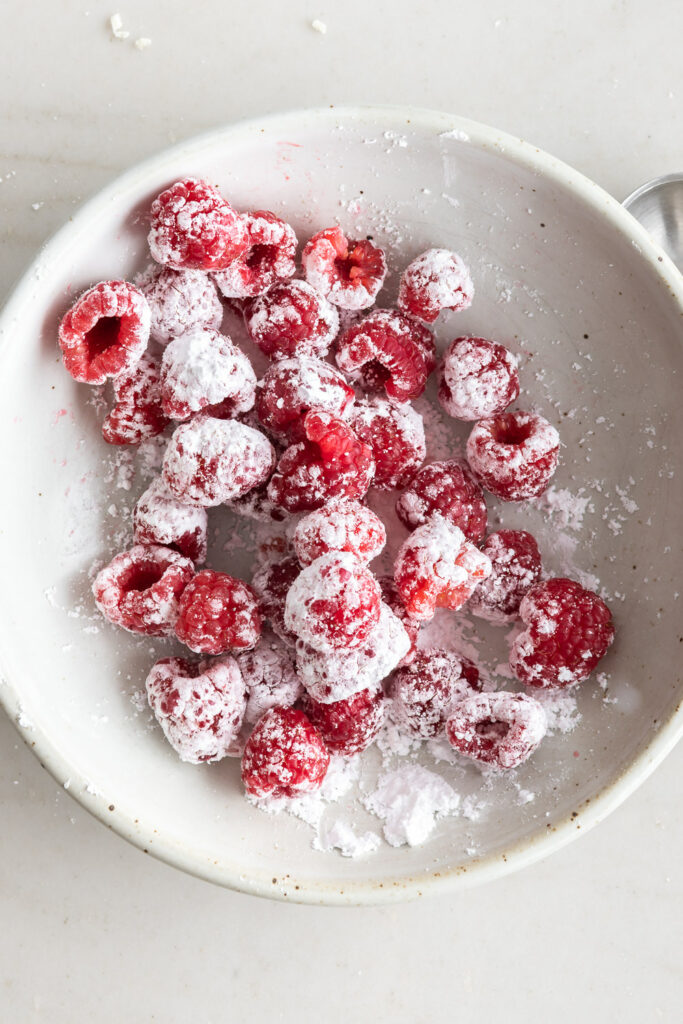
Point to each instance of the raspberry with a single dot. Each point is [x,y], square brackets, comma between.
[194,228]
[199,705]
[269,257]
[292,319]
[256,504]
[140,588]
[437,279]
[292,387]
[515,567]
[347,726]
[448,488]
[137,414]
[179,301]
[158,518]
[340,525]
[105,332]
[395,433]
[425,692]
[569,629]
[388,351]
[437,567]
[271,585]
[477,378]
[501,729]
[208,461]
[393,600]
[284,756]
[331,463]
[270,676]
[514,455]
[204,369]
[334,602]
[349,273]
[218,613]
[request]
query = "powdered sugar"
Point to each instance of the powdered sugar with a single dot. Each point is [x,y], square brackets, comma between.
[179,301]
[204,368]
[437,279]
[410,800]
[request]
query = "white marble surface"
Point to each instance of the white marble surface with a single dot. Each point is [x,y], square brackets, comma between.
[93,929]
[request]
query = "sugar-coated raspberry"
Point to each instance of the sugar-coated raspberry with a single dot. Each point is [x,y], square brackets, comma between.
[269,257]
[199,705]
[137,413]
[514,455]
[394,601]
[331,463]
[284,756]
[159,518]
[347,726]
[179,301]
[292,319]
[437,279]
[292,387]
[569,629]
[256,504]
[269,673]
[515,568]
[349,273]
[448,488]
[209,461]
[140,588]
[425,692]
[388,351]
[218,613]
[333,602]
[194,228]
[437,567]
[501,729]
[203,369]
[395,433]
[340,525]
[477,379]
[105,332]
[271,585]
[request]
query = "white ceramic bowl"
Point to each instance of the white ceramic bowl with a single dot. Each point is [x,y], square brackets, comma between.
[566,276]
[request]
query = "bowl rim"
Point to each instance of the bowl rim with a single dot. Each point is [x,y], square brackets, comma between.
[524,852]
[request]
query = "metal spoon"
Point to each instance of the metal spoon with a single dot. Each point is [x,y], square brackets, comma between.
[658,205]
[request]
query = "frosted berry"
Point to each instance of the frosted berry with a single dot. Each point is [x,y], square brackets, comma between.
[292,319]
[204,369]
[194,228]
[477,378]
[450,489]
[140,588]
[514,455]
[256,504]
[515,568]
[137,413]
[347,726]
[292,387]
[105,332]
[218,613]
[340,525]
[501,729]
[437,279]
[269,673]
[269,257]
[395,433]
[179,301]
[334,602]
[388,351]
[271,585]
[349,273]
[394,601]
[284,756]
[425,692]
[159,518]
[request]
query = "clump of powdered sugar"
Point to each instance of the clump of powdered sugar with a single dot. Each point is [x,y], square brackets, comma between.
[339,835]
[410,800]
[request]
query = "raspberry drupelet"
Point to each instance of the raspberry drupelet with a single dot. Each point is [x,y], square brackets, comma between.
[202,370]
[514,455]
[293,387]
[388,351]
[450,489]
[437,279]
[425,692]
[394,601]
[515,568]
[395,433]
[477,379]
[292,319]
[501,729]
[105,332]
[269,673]
[140,588]
[271,585]
[194,228]
[285,756]
[268,258]
[347,726]
[334,602]
[349,274]
[340,525]
[568,630]
[137,413]
[159,518]
[179,301]
[218,613]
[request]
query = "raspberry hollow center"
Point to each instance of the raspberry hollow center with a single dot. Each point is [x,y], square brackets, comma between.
[141,577]
[492,730]
[103,336]
[508,430]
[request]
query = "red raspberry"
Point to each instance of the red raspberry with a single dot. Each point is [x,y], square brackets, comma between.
[284,756]
[268,258]
[437,568]
[140,588]
[477,378]
[388,351]
[137,414]
[194,228]
[331,463]
[395,433]
[347,726]
[292,387]
[208,461]
[292,319]
[334,602]
[204,369]
[340,525]
[448,488]
[514,455]
[158,518]
[569,629]
[271,585]
[392,598]
[218,613]
[270,676]
[179,301]
[501,729]
[349,273]
[437,279]
[425,692]
[105,332]
[199,705]
[516,566]
[256,504]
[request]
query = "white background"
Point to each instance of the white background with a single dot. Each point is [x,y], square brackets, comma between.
[91,929]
